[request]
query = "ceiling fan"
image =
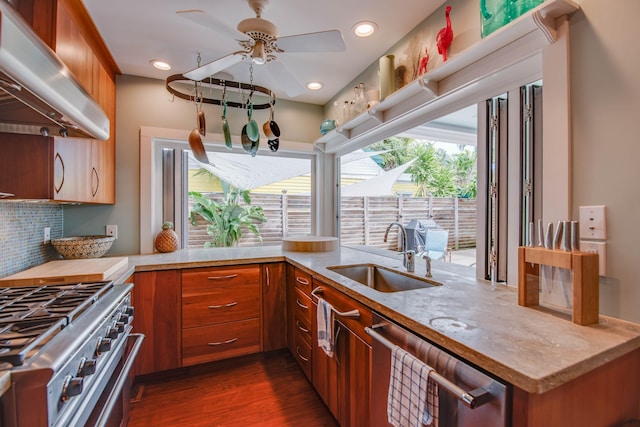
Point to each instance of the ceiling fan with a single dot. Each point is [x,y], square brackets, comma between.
[261,43]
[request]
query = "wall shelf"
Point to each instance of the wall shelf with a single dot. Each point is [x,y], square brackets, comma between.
[522,38]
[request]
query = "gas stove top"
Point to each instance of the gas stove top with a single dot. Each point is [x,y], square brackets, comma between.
[31,316]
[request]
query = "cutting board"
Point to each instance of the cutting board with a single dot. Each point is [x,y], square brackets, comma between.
[310,243]
[67,271]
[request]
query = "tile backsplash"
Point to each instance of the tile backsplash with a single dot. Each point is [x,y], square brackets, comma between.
[22,235]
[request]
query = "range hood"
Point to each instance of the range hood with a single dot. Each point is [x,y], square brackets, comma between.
[38,94]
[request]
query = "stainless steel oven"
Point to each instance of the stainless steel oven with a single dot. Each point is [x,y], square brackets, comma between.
[69,350]
[467,397]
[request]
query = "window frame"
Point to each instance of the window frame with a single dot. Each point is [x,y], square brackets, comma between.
[152,142]
[483,80]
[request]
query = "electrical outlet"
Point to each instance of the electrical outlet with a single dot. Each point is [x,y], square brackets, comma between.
[112,230]
[601,249]
[593,222]
[47,235]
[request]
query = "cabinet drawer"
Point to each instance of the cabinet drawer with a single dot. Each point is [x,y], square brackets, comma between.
[302,281]
[344,303]
[220,303]
[302,353]
[302,306]
[209,343]
[202,279]
[303,328]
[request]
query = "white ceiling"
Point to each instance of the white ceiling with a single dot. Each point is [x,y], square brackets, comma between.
[140,30]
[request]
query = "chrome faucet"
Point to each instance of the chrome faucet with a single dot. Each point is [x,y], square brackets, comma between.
[408,256]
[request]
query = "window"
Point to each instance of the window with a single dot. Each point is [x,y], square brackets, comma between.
[282,183]
[424,178]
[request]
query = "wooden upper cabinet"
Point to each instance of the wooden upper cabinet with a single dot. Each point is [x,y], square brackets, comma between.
[66,27]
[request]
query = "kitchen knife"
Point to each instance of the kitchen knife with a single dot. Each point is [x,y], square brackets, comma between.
[547,272]
[540,234]
[575,236]
[563,238]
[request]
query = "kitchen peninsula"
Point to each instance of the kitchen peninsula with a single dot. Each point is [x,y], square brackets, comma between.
[548,360]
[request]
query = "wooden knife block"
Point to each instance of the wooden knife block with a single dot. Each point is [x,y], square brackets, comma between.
[585,280]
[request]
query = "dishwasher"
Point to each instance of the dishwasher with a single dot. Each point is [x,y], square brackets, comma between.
[467,397]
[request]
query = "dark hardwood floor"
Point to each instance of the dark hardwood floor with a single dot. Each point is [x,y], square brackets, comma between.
[259,390]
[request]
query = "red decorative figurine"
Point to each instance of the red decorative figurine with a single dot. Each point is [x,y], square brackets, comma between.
[424,61]
[445,36]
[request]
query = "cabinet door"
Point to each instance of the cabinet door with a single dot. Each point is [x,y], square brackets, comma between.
[156,301]
[327,371]
[103,153]
[71,170]
[356,388]
[274,306]
[25,165]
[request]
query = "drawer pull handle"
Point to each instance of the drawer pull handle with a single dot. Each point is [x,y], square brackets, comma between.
[231,304]
[301,356]
[230,276]
[302,281]
[301,305]
[306,331]
[232,340]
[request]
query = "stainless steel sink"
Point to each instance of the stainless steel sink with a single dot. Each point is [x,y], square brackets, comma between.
[381,278]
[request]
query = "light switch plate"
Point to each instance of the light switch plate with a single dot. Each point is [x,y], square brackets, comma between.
[593,222]
[601,249]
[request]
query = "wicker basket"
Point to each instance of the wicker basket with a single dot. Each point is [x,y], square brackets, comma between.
[80,247]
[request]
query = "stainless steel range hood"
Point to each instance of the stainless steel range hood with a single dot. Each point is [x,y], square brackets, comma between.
[38,94]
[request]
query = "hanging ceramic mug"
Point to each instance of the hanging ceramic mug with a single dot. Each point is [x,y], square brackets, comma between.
[270,127]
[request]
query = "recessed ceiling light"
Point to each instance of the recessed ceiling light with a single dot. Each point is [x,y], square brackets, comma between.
[160,65]
[364,28]
[314,85]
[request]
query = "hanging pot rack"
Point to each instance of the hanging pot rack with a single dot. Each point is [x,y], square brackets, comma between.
[210,81]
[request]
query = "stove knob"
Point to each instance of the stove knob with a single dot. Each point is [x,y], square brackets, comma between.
[112,332]
[124,318]
[87,367]
[128,310]
[104,345]
[119,326]
[72,386]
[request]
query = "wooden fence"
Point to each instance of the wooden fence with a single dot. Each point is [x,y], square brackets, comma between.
[363,220]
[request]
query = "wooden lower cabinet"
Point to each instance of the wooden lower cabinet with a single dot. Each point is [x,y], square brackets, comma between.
[342,381]
[221,309]
[156,301]
[607,396]
[274,306]
[220,341]
[300,315]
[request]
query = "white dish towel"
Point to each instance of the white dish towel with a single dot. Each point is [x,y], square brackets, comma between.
[413,396]
[325,327]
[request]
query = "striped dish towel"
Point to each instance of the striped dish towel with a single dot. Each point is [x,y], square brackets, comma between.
[413,396]
[325,327]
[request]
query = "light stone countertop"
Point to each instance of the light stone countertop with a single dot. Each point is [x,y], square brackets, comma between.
[534,349]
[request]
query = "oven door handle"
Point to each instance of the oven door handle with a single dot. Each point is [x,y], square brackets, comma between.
[121,381]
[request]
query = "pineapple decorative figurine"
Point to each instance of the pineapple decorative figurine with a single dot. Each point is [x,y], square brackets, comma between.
[167,239]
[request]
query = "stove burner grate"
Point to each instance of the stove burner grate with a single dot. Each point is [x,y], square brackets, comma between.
[31,316]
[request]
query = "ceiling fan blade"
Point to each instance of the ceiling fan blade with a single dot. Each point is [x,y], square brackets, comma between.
[323,41]
[208,21]
[213,67]
[284,78]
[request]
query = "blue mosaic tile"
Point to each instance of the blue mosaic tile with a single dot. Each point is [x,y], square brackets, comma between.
[21,235]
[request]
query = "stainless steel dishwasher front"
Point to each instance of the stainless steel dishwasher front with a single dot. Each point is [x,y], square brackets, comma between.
[467,396]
